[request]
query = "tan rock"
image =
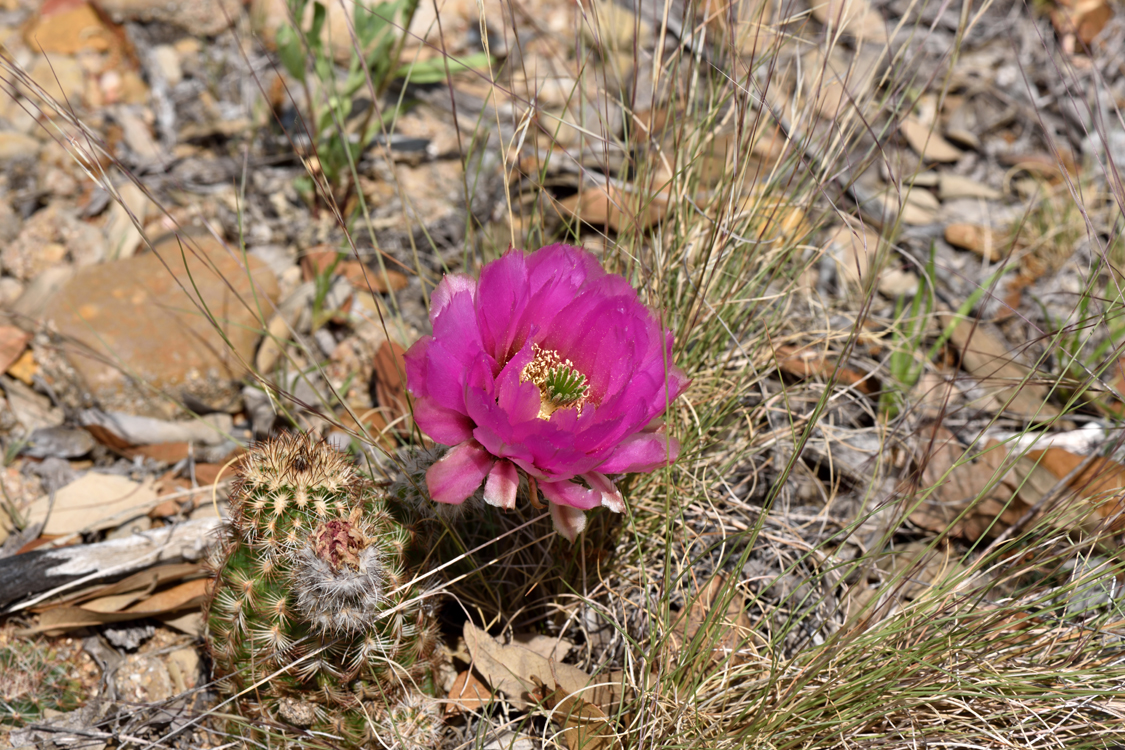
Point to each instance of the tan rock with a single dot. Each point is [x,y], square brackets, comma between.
[197,17]
[15,145]
[61,78]
[953,186]
[147,324]
[928,143]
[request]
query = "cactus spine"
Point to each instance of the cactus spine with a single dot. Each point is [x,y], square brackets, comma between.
[311,619]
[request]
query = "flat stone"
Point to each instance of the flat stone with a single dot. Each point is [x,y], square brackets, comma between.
[136,327]
[16,145]
[143,679]
[61,78]
[197,17]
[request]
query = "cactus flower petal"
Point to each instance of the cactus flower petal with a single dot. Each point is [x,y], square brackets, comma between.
[458,474]
[569,522]
[501,485]
[549,366]
[611,496]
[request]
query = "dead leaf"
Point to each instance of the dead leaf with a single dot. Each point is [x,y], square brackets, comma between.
[144,581]
[182,596]
[167,453]
[13,341]
[585,726]
[928,143]
[609,206]
[71,30]
[512,670]
[1081,19]
[390,387]
[544,645]
[468,693]
[1100,480]
[805,362]
[954,186]
[976,493]
[989,358]
[91,503]
[987,243]
[24,368]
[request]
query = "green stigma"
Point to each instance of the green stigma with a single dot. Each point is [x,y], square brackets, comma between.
[561,385]
[565,385]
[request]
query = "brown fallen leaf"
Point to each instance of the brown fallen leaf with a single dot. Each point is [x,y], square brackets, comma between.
[390,385]
[585,726]
[1080,19]
[609,206]
[180,597]
[1102,481]
[145,581]
[985,242]
[927,142]
[319,259]
[512,670]
[804,362]
[13,342]
[977,493]
[467,693]
[989,358]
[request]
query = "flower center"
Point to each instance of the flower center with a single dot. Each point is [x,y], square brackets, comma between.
[561,385]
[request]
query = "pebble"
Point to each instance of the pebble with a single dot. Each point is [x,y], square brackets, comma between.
[16,145]
[197,17]
[142,679]
[167,62]
[131,319]
[61,78]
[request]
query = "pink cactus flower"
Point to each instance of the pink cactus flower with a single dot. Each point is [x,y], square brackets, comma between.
[548,366]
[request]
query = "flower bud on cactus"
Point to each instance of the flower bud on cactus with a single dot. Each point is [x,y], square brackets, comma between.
[311,617]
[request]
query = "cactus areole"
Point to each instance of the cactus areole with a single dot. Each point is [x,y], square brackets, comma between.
[311,620]
[546,366]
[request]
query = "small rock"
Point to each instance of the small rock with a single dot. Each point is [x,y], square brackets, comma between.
[61,442]
[40,291]
[143,679]
[128,637]
[167,62]
[62,78]
[954,186]
[45,241]
[121,235]
[54,474]
[32,410]
[10,291]
[183,666]
[197,17]
[15,145]
[10,222]
[983,241]
[133,319]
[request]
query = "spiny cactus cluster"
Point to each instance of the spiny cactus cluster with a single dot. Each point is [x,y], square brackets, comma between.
[312,618]
[35,678]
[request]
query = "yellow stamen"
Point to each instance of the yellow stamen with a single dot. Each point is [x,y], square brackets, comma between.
[561,385]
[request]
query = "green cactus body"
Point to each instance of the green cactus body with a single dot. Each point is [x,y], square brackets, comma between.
[312,620]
